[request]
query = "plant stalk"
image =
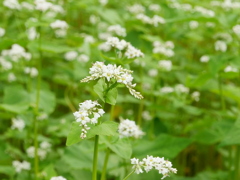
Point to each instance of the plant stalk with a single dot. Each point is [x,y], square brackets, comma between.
[129,174]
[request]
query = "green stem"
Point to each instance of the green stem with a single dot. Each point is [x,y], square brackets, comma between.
[129,174]
[237,163]
[95,158]
[221,92]
[103,176]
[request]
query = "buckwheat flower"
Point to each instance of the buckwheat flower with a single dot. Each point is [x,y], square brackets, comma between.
[236,29]
[58,178]
[195,96]
[163,167]
[112,72]
[180,88]
[42,153]
[224,37]
[144,18]
[2,32]
[210,24]
[156,20]
[18,124]
[230,69]
[112,41]
[17,52]
[154,7]
[32,33]
[12,4]
[204,11]
[153,72]
[104,35]
[146,115]
[19,166]
[42,116]
[132,52]
[83,58]
[122,45]
[89,112]
[45,145]
[71,55]
[220,46]
[32,71]
[42,5]
[166,90]
[165,65]
[27,5]
[103,2]
[128,128]
[104,47]
[169,44]
[88,38]
[59,24]
[193,24]
[204,59]
[136,9]
[93,19]
[6,65]
[117,29]
[11,77]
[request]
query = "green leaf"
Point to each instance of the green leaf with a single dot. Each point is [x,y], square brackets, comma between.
[50,171]
[122,146]
[107,128]
[111,97]
[74,134]
[111,16]
[99,88]
[16,99]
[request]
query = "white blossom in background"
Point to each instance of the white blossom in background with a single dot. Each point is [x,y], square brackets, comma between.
[2,32]
[144,18]
[230,69]
[45,145]
[16,53]
[32,71]
[163,167]
[42,151]
[166,90]
[193,24]
[236,29]
[163,48]
[83,58]
[104,47]
[117,29]
[204,11]
[60,28]
[93,19]
[153,72]
[129,112]
[42,5]
[5,65]
[18,124]
[136,9]
[27,5]
[128,128]
[58,178]
[146,86]
[19,166]
[195,96]
[71,55]
[204,59]
[120,75]
[12,4]
[11,77]
[89,112]
[146,115]
[139,63]
[220,46]
[104,36]
[165,65]
[210,24]
[180,88]
[42,116]
[32,33]
[224,37]
[88,38]
[103,2]
[154,7]
[155,20]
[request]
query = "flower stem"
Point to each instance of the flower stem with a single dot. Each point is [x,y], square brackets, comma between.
[129,174]
[103,176]
[95,158]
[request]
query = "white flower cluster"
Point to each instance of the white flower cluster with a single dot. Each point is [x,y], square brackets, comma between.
[58,178]
[88,38]
[224,37]
[164,167]
[193,24]
[32,33]
[60,28]
[128,128]
[120,75]
[204,11]
[204,59]
[130,51]
[155,20]
[19,166]
[236,29]
[2,32]
[146,115]
[43,5]
[12,4]
[43,150]
[73,55]
[180,88]
[153,72]
[154,7]
[166,90]
[195,96]
[136,9]
[16,53]
[117,29]
[165,65]
[230,69]
[226,4]
[32,71]
[88,112]
[18,123]
[220,46]
[164,48]
[11,77]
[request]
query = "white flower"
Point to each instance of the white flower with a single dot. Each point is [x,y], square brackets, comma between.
[19,166]
[154,7]
[230,69]
[12,4]
[88,113]
[45,145]
[93,19]
[128,128]
[220,46]
[27,5]
[195,95]
[58,178]
[59,24]
[32,71]
[83,58]
[153,72]
[103,2]
[236,29]
[157,20]
[193,24]
[165,65]
[42,152]
[164,167]
[104,47]
[6,65]
[18,124]
[117,29]
[32,33]
[71,55]
[146,115]
[132,52]
[164,48]
[180,88]
[11,77]
[42,5]
[136,9]
[166,90]
[2,32]
[204,58]
[104,36]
